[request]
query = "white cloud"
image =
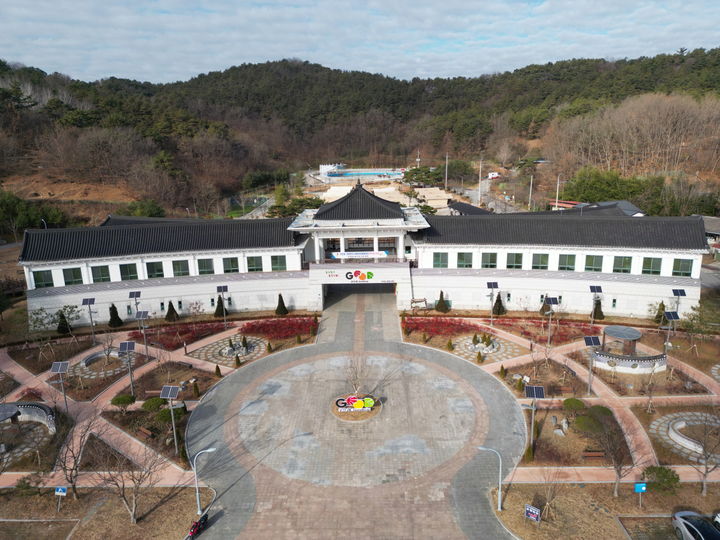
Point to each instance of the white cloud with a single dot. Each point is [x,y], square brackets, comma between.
[168,40]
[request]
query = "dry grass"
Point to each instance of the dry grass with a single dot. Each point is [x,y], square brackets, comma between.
[551,449]
[703,357]
[166,513]
[589,510]
[37,530]
[664,454]
[548,374]
[7,384]
[38,359]
[626,384]
[172,373]
[96,448]
[9,267]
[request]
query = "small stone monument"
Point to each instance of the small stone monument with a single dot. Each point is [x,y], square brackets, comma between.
[553,419]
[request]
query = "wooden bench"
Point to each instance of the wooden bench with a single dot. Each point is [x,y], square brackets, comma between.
[566,390]
[185,364]
[145,434]
[593,454]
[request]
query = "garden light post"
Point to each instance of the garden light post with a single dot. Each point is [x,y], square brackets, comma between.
[170,393]
[222,289]
[60,368]
[197,490]
[89,302]
[499,503]
[127,350]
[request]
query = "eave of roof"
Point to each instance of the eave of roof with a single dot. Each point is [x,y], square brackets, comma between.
[359,204]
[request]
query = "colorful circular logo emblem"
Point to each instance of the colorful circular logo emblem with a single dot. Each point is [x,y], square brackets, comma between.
[354,402]
[357,274]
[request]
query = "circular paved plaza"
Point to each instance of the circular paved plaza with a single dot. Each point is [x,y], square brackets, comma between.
[287,467]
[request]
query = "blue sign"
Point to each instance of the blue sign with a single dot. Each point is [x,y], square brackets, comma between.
[532,512]
[640,487]
[61,491]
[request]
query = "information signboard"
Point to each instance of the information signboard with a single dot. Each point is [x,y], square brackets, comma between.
[531,512]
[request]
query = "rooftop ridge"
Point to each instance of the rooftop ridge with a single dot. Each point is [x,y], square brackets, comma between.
[359,204]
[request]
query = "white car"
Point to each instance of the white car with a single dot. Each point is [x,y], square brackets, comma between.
[493,175]
[693,526]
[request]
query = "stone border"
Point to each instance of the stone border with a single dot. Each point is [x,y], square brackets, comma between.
[715,372]
[211,352]
[665,430]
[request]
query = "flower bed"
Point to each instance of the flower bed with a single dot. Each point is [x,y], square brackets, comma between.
[440,326]
[280,328]
[173,337]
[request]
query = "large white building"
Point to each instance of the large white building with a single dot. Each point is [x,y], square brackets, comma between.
[360,239]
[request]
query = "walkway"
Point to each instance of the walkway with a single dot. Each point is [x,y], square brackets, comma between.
[287,467]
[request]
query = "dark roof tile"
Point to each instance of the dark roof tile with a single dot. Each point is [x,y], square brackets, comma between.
[359,204]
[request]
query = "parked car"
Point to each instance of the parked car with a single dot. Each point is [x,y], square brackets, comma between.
[493,175]
[693,526]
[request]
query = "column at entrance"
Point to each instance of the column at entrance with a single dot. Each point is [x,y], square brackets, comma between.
[317,248]
[375,243]
[342,244]
[400,249]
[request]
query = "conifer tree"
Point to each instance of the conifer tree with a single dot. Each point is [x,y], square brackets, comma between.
[498,307]
[171,315]
[660,314]
[115,320]
[597,314]
[281,309]
[441,304]
[63,327]
[220,310]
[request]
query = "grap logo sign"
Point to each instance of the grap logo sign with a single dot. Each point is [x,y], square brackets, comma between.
[354,403]
[357,275]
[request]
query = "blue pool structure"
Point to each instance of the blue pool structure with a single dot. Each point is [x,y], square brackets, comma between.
[350,173]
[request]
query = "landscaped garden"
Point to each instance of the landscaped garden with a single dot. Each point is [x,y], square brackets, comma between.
[282,333]
[536,330]
[193,382]
[558,380]
[7,384]
[175,336]
[38,358]
[38,449]
[701,352]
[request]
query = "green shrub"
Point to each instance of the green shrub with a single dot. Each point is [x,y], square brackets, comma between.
[244,342]
[196,390]
[598,412]
[164,416]
[153,404]
[298,339]
[503,372]
[529,455]
[662,479]
[441,305]
[115,320]
[480,358]
[588,424]
[520,385]
[63,327]
[122,402]
[281,309]
[475,339]
[573,406]
[268,347]
[237,360]
[171,315]
[450,345]
[498,308]
[425,337]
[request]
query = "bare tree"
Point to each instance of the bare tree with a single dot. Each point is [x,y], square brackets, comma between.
[552,487]
[70,455]
[107,341]
[127,480]
[707,437]
[356,372]
[611,440]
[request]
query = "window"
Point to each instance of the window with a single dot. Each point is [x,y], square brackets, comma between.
[162,306]
[72,276]
[154,270]
[179,303]
[508,297]
[278,263]
[212,302]
[593,263]
[651,266]
[128,271]
[128,309]
[100,274]
[489,260]
[621,265]
[614,302]
[181,268]
[440,260]
[464,260]
[408,250]
[43,278]
[228,301]
[542,298]
[205,266]
[231,265]
[254,264]
[566,262]
[682,267]
[540,261]
[514,260]
[559,299]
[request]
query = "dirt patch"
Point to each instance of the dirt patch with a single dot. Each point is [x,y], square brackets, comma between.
[174,373]
[664,454]
[558,380]
[38,359]
[37,530]
[140,422]
[165,513]
[47,188]
[7,384]
[703,356]
[590,510]
[94,455]
[9,267]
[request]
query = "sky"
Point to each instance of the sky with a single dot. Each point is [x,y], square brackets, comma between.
[171,40]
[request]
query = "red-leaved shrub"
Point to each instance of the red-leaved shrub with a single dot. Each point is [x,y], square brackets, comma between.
[173,337]
[279,328]
[441,326]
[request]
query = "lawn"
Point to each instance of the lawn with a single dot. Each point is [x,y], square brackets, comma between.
[664,454]
[174,373]
[165,513]
[39,358]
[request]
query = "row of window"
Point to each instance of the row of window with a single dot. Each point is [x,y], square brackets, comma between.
[179,304]
[180,268]
[593,263]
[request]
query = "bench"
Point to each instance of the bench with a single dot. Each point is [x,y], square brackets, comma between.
[152,393]
[185,364]
[566,390]
[145,434]
[593,454]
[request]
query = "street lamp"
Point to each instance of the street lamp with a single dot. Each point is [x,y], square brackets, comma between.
[197,490]
[499,503]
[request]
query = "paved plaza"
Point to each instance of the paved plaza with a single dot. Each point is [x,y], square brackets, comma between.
[286,467]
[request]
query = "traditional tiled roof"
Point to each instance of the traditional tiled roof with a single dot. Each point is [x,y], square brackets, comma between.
[604,208]
[359,204]
[157,237]
[685,233]
[122,221]
[465,209]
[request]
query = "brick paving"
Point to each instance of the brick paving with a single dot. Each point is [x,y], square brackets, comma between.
[506,350]
[659,429]
[213,352]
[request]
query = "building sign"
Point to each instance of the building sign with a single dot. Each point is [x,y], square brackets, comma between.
[355,404]
[359,254]
[640,487]
[358,275]
[533,513]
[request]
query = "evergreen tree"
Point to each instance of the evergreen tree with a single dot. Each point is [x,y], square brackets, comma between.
[660,315]
[597,314]
[218,373]
[63,327]
[115,320]
[441,304]
[244,342]
[281,309]
[171,315]
[498,307]
[196,390]
[220,310]
[545,308]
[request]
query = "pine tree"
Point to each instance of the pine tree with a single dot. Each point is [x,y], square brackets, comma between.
[441,305]
[503,372]
[660,314]
[115,320]
[597,314]
[244,342]
[220,310]
[450,345]
[196,390]
[475,339]
[218,373]
[171,315]
[269,347]
[237,360]
[281,309]
[63,327]
[480,358]
[498,307]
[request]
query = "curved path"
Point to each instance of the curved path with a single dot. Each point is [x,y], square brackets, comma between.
[286,467]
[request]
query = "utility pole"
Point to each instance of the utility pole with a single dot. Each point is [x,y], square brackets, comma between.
[530,196]
[480,183]
[446,169]
[557,192]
